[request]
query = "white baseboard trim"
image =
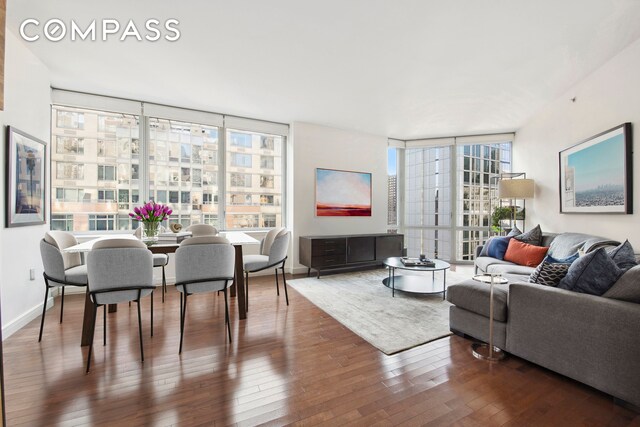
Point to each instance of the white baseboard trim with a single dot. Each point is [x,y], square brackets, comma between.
[14,326]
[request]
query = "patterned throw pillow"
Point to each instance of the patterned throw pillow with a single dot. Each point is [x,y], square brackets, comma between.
[623,256]
[549,273]
[532,237]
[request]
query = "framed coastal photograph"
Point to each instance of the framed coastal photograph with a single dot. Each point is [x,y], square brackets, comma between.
[343,193]
[26,187]
[596,175]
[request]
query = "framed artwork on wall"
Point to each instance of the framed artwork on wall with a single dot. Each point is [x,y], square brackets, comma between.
[596,175]
[26,179]
[342,193]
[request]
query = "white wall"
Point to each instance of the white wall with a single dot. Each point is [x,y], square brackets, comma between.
[605,99]
[317,146]
[26,107]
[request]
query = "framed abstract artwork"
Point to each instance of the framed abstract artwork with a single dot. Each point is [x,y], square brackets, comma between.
[26,179]
[596,175]
[343,193]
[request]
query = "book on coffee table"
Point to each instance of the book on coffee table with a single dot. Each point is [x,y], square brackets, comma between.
[417,262]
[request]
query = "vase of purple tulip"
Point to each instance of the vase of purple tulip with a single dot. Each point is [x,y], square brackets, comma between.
[151,214]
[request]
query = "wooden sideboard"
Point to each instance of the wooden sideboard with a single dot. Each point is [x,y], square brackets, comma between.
[348,251]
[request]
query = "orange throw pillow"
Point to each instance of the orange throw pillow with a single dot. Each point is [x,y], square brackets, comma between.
[524,253]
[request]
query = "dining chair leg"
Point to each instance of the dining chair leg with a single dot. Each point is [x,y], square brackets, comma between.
[93,330]
[140,329]
[44,308]
[277,285]
[104,325]
[62,304]
[226,313]
[284,280]
[181,311]
[164,284]
[152,309]
[182,316]
[246,291]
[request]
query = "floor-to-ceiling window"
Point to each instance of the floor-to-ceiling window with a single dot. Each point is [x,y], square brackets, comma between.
[214,169]
[449,191]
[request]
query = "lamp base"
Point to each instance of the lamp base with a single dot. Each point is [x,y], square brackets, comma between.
[482,351]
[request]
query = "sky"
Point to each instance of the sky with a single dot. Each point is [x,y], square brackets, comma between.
[391,162]
[599,164]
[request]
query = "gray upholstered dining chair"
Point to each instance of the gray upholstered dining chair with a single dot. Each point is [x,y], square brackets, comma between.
[202,230]
[159,260]
[273,253]
[204,264]
[120,270]
[60,269]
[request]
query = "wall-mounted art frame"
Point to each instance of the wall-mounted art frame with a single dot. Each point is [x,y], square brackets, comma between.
[596,175]
[343,193]
[25,179]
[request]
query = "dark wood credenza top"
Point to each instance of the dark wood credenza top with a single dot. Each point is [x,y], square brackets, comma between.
[345,236]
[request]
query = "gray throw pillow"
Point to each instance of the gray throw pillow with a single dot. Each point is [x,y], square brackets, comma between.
[623,256]
[549,273]
[515,231]
[592,274]
[627,288]
[532,237]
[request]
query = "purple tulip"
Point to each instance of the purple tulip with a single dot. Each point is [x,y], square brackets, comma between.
[169,212]
[139,218]
[136,210]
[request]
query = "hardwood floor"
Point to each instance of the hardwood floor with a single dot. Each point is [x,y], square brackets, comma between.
[286,365]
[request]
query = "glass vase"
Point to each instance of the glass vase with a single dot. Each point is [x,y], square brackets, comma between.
[150,231]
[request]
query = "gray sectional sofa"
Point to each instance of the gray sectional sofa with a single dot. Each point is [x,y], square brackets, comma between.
[592,339]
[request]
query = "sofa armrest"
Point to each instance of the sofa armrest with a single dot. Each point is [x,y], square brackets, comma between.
[588,338]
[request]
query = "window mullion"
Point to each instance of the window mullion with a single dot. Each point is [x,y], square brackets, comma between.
[144,135]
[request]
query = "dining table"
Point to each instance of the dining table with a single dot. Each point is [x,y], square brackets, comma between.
[237,239]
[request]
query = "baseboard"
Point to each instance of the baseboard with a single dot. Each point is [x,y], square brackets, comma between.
[14,326]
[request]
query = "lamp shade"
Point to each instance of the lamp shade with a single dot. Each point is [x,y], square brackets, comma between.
[515,188]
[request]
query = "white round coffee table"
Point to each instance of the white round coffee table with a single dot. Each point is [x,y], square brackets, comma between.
[413,283]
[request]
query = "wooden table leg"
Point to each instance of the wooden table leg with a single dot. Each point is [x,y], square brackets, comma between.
[87,321]
[238,284]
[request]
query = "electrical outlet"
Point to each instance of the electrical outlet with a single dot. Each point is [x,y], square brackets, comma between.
[32,274]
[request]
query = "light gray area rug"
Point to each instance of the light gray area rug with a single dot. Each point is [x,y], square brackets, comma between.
[364,305]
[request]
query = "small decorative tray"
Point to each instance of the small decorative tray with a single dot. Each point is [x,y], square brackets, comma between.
[497,280]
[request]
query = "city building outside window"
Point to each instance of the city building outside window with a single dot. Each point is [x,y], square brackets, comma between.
[430,226]
[62,222]
[102,222]
[96,159]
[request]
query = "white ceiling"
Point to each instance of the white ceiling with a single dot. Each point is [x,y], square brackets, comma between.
[400,68]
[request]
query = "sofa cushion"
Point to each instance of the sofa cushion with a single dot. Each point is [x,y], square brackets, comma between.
[549,273]
[495,247]
[524,254]
[567,244]
[627,288]
[510,269]
[623,256]
[474,296]
[592,274]
[532,237]
[484,262]
[567,260]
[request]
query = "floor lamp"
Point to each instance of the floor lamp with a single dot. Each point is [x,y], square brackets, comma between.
[514,189]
